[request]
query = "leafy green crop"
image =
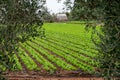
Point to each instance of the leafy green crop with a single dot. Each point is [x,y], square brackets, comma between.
[60,49]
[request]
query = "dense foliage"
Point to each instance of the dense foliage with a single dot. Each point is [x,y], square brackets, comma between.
[108,12]
[84,9]
[109,45]
[19,21]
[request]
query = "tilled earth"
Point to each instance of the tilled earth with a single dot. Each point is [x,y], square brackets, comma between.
[61,75]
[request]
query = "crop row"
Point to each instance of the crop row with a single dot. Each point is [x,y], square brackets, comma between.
[72,44]
[83,42]
[72,48]
[45,63]
[66,56]
[52,58]
[30,64]
[63,49]
[17,65]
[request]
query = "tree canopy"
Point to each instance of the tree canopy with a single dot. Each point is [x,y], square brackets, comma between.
[84,9]
[19,21]
[108,12]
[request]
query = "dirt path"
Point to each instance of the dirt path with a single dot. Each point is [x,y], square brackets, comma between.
[41,78]
[60,75]
[18,76]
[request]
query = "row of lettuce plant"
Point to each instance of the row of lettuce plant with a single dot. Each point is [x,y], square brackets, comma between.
[61,40]
[52,58]
[45,63]
[17,65]
[68,57]
[73,49]
[69,52]
[30,64]
[85,44]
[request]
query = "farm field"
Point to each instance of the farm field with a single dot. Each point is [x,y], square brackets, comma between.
[66,47]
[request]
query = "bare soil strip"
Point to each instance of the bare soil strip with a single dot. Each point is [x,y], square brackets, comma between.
[41,78]
[63,75]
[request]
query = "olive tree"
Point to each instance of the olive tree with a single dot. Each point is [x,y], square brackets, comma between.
[20,20]
[108,45]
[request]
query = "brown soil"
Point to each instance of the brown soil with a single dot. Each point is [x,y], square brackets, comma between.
[50,78]
[61,75]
